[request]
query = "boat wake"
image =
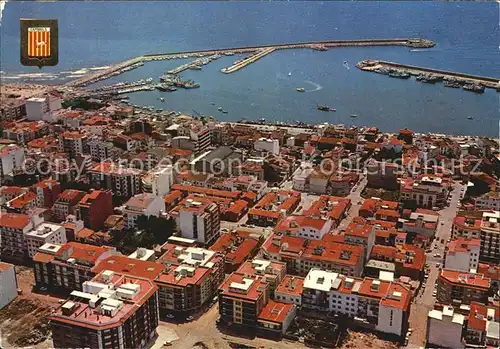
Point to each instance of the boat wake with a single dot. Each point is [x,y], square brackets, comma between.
[317,86]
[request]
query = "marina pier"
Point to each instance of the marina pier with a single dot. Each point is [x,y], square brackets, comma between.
[248,60]
[136,62]
[469,82]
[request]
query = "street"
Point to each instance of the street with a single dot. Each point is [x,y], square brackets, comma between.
[424,300]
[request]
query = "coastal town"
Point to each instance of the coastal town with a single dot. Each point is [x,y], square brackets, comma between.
[130,227]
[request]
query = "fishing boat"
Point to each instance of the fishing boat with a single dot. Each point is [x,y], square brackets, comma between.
[354,116]
[470,118]
[224,111]
[323,107]
[219,109]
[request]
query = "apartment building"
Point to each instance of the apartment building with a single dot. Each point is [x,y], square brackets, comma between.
[64,268]
[445,328]
[111,311]
[73,143]
[94,208]
[102,150]
[13,227]
[290,290]
[201,137]
[190,280]
[301,254]
[272,272]
[488,201]
[44,233]
[241,300]
[144,204]
[199,220]
[123,182]
[427,192]
[458,287]
[462,254]
[381,305]
[11,160]
[47,192]
[8,284]
[273,206]
[490,237]
[483,327]
[402,260]
[66,203]
[487,229]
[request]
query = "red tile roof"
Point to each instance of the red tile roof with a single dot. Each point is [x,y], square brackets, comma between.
[461,244]
[401,301]
[292,285]
[256,289]
[477,281]
[276,312]
[243,251]
[129,266]
[14,220]
[22,201]
[359,230]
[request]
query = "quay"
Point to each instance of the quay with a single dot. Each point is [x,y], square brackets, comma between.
[140,60]
[246,61]
[461,79]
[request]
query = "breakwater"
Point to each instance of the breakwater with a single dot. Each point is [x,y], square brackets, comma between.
[135,62]
[474,83]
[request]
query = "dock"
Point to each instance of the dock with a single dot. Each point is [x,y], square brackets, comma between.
[460,79]
[248,60]
[136,62]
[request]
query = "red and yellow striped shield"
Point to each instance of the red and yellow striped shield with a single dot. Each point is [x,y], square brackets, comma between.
[39,42]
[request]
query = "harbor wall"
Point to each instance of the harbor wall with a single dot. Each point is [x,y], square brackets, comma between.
[437,71]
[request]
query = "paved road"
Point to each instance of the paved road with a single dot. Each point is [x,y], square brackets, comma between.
[424,301]
[355,196]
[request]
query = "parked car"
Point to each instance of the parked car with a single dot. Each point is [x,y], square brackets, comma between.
[189,318]
[170,316]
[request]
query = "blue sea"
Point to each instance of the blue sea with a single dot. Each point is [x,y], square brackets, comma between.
[96,34]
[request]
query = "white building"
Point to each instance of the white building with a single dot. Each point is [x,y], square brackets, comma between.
[101,150]
[269,145]
[304,227]
[44,233]
[444,328]
[42,108]
[162,180]
[385,305]
[199,220]
[8,284]
[462,254]
[144,204]
[300,178]
[489,201]
[11,159]
[143,254]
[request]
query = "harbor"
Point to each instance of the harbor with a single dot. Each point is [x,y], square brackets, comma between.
[468,82]
[139,61]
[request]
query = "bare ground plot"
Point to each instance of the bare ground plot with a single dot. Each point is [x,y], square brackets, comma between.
[355,340]
[24,323]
